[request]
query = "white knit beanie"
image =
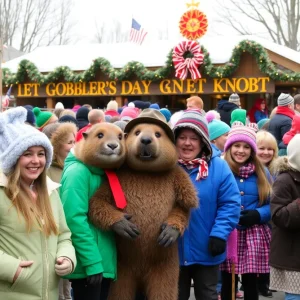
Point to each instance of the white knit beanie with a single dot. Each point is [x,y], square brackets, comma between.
[16,137]
[112,105]
[284,99]
[293,152]
[59,105]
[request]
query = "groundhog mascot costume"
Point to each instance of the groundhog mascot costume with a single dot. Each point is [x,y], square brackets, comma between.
[159,197]
[102,147]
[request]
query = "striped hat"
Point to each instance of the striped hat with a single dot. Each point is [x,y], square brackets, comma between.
[284,99]
[193,119]
[235,98]
[241,133]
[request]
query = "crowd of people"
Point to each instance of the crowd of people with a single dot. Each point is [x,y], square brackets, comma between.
[245,167]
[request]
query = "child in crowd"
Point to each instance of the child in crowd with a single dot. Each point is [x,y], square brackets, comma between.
[254,234]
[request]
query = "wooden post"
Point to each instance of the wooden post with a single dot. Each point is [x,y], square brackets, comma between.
[50,103]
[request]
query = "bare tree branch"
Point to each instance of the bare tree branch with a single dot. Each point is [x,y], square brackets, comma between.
[280,18]
[35,22]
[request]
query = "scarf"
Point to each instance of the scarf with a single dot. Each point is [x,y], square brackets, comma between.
[247,170]
[191,164]
[281,110]
[116,189]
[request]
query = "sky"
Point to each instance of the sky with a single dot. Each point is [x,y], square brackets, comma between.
[153,15]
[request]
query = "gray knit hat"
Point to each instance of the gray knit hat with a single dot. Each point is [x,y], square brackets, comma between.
[284,99]
[235,98]
[16,137]
[193,119]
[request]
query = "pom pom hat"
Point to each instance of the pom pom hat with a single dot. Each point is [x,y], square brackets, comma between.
[41,117]
[193,119]
[16,137]
[241,133]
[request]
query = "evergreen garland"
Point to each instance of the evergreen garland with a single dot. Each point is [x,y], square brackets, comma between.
[137,70]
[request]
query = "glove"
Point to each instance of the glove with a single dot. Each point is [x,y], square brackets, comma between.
[125,228]
[94,279]
[249,217]
[168,236]
[63,266]
[216,246]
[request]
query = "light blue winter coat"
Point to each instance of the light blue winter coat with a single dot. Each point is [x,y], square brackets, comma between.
[217,215]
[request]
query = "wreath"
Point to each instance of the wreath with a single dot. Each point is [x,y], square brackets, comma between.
[187,57]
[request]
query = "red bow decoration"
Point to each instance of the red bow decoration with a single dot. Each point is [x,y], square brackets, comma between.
[184,65]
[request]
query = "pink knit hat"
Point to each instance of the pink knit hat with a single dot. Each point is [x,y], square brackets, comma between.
[241,133]
[129,113]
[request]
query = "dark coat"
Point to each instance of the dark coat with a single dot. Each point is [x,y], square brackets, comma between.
[285,210]
[225,109]
[279,125]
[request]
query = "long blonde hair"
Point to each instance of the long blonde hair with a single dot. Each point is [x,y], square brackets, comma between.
[263,184]
[263,136]
[35,214]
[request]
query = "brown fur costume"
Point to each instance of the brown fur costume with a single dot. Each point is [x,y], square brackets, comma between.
[157,192]
[102,146]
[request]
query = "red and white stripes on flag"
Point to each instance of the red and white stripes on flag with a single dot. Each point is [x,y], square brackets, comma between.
[137,33]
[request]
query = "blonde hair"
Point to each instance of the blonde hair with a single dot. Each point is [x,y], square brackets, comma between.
[35,214]
[197,100]
[263,184]
[68,112]
[264,136]
[58,138]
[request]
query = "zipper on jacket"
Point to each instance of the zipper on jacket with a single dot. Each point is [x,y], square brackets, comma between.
[46,259]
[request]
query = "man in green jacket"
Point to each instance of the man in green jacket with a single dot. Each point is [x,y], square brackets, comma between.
[95,249]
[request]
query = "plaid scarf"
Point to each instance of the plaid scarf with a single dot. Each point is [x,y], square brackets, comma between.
[247,170]
[201,162]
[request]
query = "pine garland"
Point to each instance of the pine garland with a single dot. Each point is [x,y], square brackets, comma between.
[28,71]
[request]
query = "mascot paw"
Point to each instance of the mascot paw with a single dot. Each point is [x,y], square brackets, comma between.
[125,228]
[168,236]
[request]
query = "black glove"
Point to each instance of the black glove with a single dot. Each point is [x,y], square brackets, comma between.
[168,236]
[125,228]
[94,279]
[249,217]
[216,246]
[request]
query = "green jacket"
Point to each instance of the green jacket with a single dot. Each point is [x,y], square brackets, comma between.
[39,281]
[95,249]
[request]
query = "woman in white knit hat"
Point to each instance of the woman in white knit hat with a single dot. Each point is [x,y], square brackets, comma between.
[35,242]
[285,210]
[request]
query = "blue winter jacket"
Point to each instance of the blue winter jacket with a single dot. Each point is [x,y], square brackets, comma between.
[250,198]
[260,115]
[217,215]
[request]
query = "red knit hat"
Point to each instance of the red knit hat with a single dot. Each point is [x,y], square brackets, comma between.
[129,113]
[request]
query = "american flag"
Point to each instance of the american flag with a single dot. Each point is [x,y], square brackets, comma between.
[137,33]
[5,100]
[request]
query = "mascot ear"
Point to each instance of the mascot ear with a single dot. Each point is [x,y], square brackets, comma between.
[85,135]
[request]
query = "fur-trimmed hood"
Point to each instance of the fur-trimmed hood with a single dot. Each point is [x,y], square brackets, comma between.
[281,165]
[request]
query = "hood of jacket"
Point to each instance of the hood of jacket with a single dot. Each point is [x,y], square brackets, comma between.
[281,165]
[216,151]
[72,159]
[51,185]
[226,105]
